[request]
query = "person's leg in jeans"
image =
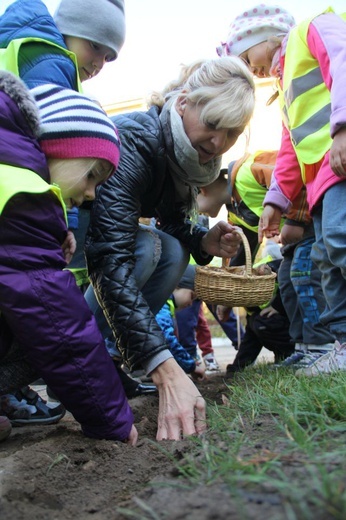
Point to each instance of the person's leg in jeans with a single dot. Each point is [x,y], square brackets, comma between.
[166,271]
[289,296]
[160,262]
[303,299]
[329,254]
[306,280]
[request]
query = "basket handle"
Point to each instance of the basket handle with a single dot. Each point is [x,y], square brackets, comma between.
[248,261]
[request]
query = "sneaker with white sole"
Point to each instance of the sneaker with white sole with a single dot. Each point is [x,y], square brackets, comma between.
[291,360]
[330,363]
[211,364]
[305,355]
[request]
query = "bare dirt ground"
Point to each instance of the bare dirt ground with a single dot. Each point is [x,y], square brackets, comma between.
[55,473]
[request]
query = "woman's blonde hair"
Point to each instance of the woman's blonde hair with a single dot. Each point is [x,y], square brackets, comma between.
[159,98]
[224,87]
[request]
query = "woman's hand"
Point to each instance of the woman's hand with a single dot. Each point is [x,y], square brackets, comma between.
[182,409]
[222,240]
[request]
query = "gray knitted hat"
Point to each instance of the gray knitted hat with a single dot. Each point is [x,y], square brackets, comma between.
[100,21]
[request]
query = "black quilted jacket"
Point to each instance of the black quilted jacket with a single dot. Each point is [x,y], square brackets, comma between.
[141,187]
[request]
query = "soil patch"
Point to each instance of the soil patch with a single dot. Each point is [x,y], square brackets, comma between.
[55,473]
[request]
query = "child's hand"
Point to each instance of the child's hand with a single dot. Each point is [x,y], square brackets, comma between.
[133,436]
[199,373]
[337,157]
[269,224]
[268,311]
[69,246]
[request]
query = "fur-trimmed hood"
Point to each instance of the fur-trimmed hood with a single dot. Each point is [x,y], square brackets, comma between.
[19,127]
[19,93]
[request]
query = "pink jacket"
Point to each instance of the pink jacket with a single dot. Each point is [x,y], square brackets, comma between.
[330,51]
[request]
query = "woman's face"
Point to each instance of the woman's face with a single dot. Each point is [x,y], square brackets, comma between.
[258,60]
[78,178]
[208,141]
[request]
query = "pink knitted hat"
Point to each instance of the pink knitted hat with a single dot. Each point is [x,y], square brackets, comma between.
[255,26]
[73,126]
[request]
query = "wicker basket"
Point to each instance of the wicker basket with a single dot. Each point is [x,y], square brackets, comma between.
[234,286]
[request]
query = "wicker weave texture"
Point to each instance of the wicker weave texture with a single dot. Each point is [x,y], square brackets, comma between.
[234,286]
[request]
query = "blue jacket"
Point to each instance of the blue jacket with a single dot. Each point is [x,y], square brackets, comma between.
[41,307]
[166,321]
[39,62]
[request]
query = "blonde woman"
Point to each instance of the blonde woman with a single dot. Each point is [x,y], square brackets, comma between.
[167,153]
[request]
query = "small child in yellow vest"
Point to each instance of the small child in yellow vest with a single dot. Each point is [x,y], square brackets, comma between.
[308,61]
[55,149]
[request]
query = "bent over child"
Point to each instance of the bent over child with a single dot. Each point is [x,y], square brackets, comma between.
[46,327]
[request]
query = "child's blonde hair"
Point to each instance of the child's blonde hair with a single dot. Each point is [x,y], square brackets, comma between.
[74,170]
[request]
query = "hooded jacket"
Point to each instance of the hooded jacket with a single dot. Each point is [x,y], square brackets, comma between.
[39,62]
[329,52]
[41,307]
[141,187]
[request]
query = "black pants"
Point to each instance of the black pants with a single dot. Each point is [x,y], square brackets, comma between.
[262,331]
[15,370]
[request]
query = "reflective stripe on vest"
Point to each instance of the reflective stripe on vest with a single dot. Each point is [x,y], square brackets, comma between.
[305,99]
[238,221]
[9,56]
[15,180]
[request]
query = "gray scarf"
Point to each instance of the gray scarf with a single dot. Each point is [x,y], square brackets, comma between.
[186,171]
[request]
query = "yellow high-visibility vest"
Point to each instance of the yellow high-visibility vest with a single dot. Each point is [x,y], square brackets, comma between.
[10,55]
[14,180]
[305,100]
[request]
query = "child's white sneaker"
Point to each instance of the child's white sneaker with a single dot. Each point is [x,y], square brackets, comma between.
[211,364]
[331,362]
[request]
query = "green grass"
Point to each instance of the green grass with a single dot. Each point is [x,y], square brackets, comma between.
[275,437]
[278,430]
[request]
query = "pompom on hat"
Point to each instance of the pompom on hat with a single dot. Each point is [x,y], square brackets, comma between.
[254,26]
[73,126]
[99,21]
